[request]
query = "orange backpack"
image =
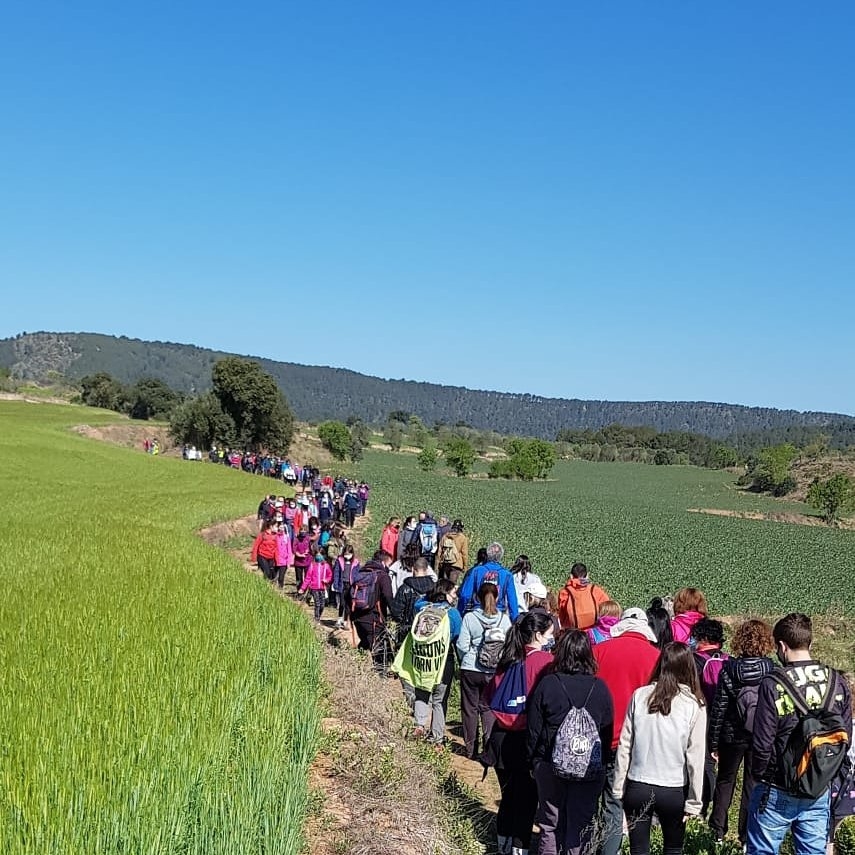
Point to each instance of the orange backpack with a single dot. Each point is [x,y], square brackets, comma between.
[577,607]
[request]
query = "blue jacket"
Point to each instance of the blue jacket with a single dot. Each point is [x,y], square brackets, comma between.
[489,572]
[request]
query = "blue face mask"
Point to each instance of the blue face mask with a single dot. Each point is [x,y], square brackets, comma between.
[549,645]
[693,643]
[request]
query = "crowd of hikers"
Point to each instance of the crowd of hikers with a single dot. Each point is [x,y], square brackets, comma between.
[598,719]
[269,465]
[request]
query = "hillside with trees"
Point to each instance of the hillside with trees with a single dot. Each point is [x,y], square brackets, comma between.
[317,394]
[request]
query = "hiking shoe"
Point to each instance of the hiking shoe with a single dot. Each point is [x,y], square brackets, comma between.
[418,732]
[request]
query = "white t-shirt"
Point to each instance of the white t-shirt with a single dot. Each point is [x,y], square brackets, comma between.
[522,589]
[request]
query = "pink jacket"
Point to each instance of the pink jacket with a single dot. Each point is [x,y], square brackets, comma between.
[284,552]
[682,625]
[318,576]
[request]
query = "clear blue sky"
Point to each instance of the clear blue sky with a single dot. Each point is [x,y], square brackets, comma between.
[613,200]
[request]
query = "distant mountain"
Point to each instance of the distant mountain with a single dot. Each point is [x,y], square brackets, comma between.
[317,393]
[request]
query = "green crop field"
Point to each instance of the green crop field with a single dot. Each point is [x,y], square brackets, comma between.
[156,698]
[629,523]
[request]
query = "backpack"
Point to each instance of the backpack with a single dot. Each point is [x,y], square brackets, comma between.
[490,649]
[363,589]
[430,640]
[404,604]
[746,704]
[427,538]
[581,613]
[449,554]
[577,754]
[817,747]
[509,699]
[710,671]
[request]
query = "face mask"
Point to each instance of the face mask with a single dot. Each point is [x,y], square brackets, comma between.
[549,644]
[693,643]
[781,657]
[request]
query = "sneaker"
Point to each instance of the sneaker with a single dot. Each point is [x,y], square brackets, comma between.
[418,732]
[339,624]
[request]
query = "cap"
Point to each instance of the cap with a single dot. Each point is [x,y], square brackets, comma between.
[635,612]
[538,589]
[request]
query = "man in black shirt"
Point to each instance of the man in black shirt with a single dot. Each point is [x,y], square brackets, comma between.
[774,810]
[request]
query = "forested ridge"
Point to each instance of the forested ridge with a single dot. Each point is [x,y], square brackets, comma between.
[316,393]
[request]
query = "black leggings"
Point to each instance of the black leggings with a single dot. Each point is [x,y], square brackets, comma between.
[515,817]
[267,566]
[640,802]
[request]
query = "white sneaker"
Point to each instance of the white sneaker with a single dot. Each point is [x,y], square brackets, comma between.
[339,624]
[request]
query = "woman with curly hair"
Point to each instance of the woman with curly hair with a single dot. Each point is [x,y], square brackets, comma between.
[732,720]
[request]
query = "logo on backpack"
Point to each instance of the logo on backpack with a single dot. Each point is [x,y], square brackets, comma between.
[427,538]
[509,700]
[578,751]
[430,640]
[817,747]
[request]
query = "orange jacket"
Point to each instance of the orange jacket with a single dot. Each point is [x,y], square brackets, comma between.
[578,602]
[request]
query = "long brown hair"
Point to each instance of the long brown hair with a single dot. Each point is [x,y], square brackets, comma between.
[676,665]
[488,596]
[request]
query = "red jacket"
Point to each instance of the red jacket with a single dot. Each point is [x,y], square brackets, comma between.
[265,546]
[389,541]
[625,664]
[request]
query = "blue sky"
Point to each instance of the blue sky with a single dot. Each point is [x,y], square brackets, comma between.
[617,201]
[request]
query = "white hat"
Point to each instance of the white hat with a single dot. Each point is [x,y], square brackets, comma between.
[538,590]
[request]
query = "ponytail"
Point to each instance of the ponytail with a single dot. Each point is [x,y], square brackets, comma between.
[488,597]
[520,635]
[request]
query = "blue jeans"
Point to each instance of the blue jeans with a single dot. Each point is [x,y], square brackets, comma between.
[611,816]
[773,812]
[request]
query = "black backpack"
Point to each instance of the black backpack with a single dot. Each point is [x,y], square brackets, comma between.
[817,747]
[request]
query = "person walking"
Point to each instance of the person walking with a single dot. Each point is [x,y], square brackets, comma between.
[482,637]
[579,599]
[425,662]
[525,657]
[625,663]
[491,571]
[524,580]
[284,553]
[570,727]
[453,552]
[318,576]
[389,537]
[731,721]
[370,598]
[350,506]
[409,592]
[345,566]
[264,548]
[302,550]
[801,688]
[690,606]
[659,768]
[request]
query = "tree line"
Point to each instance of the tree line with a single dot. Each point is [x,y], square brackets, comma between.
[318,394]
